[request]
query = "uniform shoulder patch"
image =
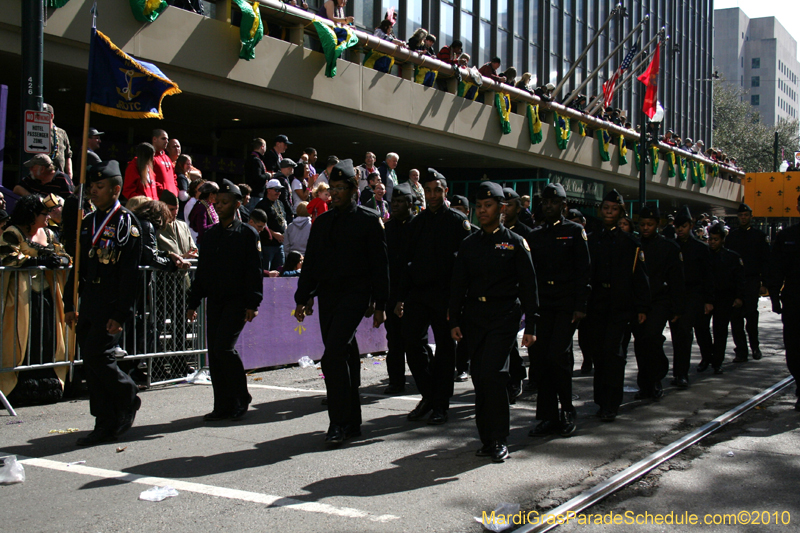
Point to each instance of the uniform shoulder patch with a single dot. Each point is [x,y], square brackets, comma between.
[466,225]
[525,244]
[680,256]
[583,234]
[134,231]
[641,256]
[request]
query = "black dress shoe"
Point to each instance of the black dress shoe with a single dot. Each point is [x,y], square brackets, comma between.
[718,370]
[740,359]
[98,436]
[239,411]
[681,382]
[484,451]
[586,370]
[499,452]
[461,377]
[127,417]
[607,415]
[335,436]
[215,416]
[545,428]
[703,366]
[352,431]
[757,354]
[658,391]
[419,412]
[568,426]
[438,417]
[395,389]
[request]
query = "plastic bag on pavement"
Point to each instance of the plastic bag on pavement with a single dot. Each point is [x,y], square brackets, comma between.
[11,471]
[201,377]
[157,494]
[305,362]
[501,518]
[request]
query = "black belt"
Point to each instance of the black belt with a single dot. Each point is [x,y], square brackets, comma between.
[491,299]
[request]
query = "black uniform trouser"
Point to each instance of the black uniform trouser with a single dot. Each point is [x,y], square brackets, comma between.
[605,334]
[791,340]
[552,354]
[648,345]
[340,314]
[681,332]
[747,312]
[111,391]
[396,354]
[721,317]
[582,343]
[516,368]
[225,321]
[489,338]
[462,358]
[432,374]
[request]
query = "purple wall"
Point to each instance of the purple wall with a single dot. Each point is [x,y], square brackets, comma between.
[275,337]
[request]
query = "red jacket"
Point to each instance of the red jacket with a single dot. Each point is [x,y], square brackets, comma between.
[132,185]
[164,172]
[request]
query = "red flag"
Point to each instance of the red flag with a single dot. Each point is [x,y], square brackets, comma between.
[650,80]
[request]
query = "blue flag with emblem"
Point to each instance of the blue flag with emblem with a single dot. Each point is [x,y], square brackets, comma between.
[122,86]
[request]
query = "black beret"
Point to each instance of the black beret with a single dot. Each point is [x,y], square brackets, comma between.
[683,216]
[575,213]
[489,189]
[404,189]
[649,211]
[614,197]
[104,170]
[553,190]
[718,229]
[744,208]
[509,193]
[342,171]
[433,175]
[459,201]
[231,188]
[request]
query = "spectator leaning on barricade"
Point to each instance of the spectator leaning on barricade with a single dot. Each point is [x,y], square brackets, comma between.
[59,142]
[319,204]
[450,54]
[293,266]
[384,31]
[489,70]
[174,236]
[163,169]
[416,43]
[203,214]
[194,193]
[388,173]
[140,176]
[334,10]
[463,60]
[26,242]
[43,179]
[298,231]
[154,216]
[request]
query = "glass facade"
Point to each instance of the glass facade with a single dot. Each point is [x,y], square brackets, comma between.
[544,37]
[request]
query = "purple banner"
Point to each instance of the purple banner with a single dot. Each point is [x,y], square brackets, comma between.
[275,337]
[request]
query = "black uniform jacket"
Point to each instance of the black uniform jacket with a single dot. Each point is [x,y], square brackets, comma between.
[561,258]
[665,272]
[491,274]
[697,268]
[108,289]
[151,255]
[397,238]
[619,276]
[343,248]
[784,269]
[433,244]
[229,267]
[753,245]
[728,275]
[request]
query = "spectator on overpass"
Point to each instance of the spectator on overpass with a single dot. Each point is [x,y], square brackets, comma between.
[450,54]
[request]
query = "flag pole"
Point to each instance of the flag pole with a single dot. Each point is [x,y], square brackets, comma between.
[605,62]
[585,52]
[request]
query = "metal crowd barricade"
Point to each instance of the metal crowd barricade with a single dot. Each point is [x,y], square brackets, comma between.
[158,345]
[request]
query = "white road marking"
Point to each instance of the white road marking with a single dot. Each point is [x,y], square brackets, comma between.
[209,490]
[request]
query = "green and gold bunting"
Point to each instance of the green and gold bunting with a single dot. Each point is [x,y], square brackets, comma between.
[377,60]
[682,168]
[467,89]
[534,124]
[251,30]
[701,174]
[582,129]
[603,141]
[425,76]
[692,169]
[502,102]
[334,41]
[671,164]
[654,159]
[715,170]
[561,127]
[637,156]
[623,151]
[146,10]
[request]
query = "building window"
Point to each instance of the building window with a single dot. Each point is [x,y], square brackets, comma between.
[755,62]
[446,23]
[755,81]
[414,8]
[466,33]
[755,99]
[485,45]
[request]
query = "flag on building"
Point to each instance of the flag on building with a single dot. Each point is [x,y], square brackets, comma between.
[534,124]
[609,85]
[603,142]
[334,41]
[122,86]
[251,29]
[425,76]
[502,102]
[650,80]
[147,10]
[623,151]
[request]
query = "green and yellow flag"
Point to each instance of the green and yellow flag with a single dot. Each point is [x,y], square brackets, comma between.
[671,164]
[146,10]
[692,167]
[654,159]
[637,155]
[534,124]
[502,102]
[467,89]
[251,31]
[582,129]
[425,76]
[377,60]
[561,127]
[623,151]
[334,41]
[603,142]
[701,174]
[682,168]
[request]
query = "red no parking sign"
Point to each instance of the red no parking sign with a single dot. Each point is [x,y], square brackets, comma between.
[37,131]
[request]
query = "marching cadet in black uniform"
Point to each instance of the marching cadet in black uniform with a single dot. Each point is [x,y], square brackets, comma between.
[231,252]
[728,271]
[510,219]
[345,242]
[561,259]
[108,281]
[492,274]
[460,203]
[667,293]
[784,291]
[436,234]
[396,244]
[699,300]
[620,295]
[753,245]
